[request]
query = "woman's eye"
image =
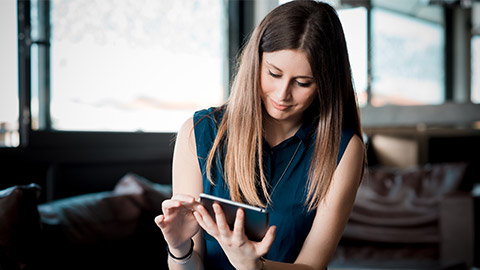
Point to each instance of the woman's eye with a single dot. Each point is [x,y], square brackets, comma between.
[274,75]
[303,84]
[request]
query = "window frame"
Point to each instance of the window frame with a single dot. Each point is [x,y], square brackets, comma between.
[454,112]
[135,145]
[240,24]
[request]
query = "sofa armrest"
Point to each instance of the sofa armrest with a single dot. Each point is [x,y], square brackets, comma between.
[457,229]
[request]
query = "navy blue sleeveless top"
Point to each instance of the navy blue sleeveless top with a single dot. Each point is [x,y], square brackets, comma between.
[287,211]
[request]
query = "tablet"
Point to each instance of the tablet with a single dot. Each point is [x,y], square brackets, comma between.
[256,218]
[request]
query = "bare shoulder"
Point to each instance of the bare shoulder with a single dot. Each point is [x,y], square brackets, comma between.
[355,151]
[356,144]
[185,139]
[187,177]
[186,129]
[351,164]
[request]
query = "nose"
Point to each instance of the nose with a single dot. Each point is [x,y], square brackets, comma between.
[283,92]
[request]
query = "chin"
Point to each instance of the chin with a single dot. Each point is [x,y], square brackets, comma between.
[277,115]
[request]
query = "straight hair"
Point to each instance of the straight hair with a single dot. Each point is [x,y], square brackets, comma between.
[315,29]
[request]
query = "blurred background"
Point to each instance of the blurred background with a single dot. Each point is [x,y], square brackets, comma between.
[93,89]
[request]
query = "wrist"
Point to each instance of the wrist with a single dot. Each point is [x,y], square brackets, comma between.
[181,251]
[259,264]
[262,264]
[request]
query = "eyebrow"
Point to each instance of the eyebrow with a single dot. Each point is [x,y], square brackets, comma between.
[279,69]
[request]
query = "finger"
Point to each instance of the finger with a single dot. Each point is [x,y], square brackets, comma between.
[202,224]
[264,246]
[210,224]
[199,219]
[207,218]
[208,229]
[184,198]
[185,201]
[167,205]
[239,225]
[159,221]
[170,203]
[190,205]
[221,221]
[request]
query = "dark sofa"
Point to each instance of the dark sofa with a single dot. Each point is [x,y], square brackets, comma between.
[402,219]
[105,230]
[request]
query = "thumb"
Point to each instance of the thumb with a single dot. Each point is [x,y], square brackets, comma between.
[264,246]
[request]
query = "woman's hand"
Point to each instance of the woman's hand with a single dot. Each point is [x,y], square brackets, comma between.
[241,252]
[177,223]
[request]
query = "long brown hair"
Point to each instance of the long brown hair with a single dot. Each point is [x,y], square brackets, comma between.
[311,27]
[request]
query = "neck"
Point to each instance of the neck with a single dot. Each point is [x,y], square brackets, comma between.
[278,131]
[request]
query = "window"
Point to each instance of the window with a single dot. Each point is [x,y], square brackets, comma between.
[354,22]
[404,47]
[126,66]
[405,52]
[475,94]
[8,74]
[407,60]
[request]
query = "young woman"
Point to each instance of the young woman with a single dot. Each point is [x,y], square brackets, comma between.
[288,139]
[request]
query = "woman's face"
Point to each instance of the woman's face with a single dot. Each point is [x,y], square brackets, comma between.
[287,83]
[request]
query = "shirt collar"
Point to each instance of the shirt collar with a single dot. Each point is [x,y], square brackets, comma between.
[304,134]
[305,131]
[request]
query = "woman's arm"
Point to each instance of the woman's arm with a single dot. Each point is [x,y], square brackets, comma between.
[332,215]
[187,185]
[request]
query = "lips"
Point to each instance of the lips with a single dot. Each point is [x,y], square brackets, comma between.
[279,106]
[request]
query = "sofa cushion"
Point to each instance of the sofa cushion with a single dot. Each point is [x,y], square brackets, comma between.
[106,230]
[110,215]
[91,218]
[150,195]
[19,226]
[402,206]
